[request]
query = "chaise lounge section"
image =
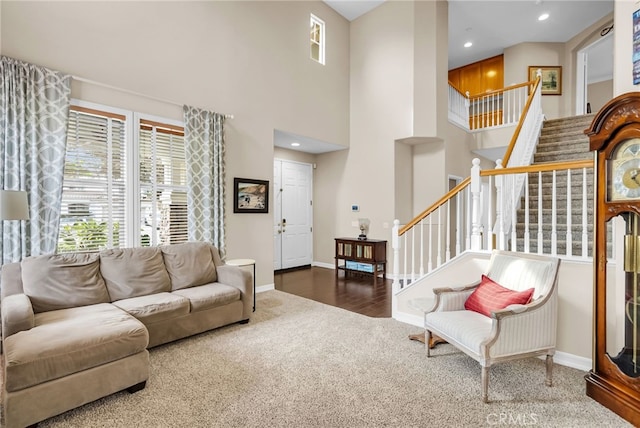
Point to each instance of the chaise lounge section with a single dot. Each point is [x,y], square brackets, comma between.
[76,327]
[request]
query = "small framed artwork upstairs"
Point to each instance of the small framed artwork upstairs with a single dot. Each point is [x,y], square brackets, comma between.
[250,196]
[551,78]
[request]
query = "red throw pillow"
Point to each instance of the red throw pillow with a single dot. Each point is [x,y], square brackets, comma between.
[491,296]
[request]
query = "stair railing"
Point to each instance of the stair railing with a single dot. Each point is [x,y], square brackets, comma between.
[568,183]
[522,148]
[468,216]
[458,107]
[493,109]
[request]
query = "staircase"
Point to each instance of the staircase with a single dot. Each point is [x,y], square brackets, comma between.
[560,140]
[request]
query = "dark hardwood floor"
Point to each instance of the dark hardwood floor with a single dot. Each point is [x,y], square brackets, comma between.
[355,293]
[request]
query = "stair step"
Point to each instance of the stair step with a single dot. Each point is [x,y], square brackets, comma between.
[566,134]
[561,156]
[559,146]
[569,121]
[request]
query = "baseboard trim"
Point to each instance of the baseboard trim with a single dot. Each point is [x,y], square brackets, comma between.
[263,288]
[562,358]
[324,265]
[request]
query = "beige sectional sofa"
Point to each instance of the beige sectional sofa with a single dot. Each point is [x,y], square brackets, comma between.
[76,327]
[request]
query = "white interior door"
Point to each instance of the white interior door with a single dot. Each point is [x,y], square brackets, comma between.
[277,215]
[293,217]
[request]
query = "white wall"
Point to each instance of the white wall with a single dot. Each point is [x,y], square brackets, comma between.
[575,299]
[623,45]
[517,60]
[249,59]
[598,94]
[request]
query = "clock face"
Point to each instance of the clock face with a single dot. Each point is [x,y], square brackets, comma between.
[624,172]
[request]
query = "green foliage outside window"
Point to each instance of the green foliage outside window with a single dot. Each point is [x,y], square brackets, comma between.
[86,235]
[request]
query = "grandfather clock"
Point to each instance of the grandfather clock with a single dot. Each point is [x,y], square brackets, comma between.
[614,135]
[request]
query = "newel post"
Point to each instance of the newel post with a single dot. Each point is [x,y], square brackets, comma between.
[476,186]
[395,245]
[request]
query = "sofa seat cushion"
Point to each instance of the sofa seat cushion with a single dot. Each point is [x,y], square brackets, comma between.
[68,341]
[133,272]
[60,281]
[209,296]
[155,307]
[469,328]
[189,264]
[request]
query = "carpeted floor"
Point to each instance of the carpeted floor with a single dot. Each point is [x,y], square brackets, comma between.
[300,364]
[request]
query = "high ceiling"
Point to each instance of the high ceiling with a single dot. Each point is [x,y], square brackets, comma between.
[494,25]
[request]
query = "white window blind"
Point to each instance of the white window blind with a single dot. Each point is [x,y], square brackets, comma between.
[163,184]
[93,193]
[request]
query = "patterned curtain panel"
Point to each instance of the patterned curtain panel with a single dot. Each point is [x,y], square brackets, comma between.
[204,149]
[34,109]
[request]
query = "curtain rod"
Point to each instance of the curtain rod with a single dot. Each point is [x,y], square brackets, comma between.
[104,85]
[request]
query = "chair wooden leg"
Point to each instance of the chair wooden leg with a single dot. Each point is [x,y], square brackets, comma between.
[485,384]
[549,378]
[427,341]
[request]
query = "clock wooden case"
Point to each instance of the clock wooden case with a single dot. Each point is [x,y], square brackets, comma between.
[614,135]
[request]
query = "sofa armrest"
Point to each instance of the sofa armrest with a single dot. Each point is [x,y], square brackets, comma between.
[242,280]
[452,298]
[17,314]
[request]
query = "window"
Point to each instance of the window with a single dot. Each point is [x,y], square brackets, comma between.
[163,184]
[109,186]
[93,193]
[317,39]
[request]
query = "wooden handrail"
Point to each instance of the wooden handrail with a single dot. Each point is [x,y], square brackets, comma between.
[542,167]
[523,116]
[497,91]
[464,183]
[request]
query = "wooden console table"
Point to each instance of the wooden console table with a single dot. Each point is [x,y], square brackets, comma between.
[363,256]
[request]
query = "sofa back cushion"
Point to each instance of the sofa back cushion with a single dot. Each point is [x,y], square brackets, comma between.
[189,264]
[60,281]
[133,272]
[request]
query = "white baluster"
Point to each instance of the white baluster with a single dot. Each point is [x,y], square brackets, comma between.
[447,254]
[395,244]
[422,247]
[404,270]
[439,253]
[569,237]
[554,217]
[413,254]
[514,216]
[500,206]
[476,185]
[527,234]
[585,236]
[468,220]
[429,263]
[459,222]
[540,236]
[490,214]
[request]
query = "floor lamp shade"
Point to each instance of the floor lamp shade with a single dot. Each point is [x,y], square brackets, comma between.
[13,205]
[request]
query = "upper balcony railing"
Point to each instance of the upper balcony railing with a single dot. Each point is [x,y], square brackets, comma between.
[492,109]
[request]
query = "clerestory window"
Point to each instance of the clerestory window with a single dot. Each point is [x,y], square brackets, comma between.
[317,39]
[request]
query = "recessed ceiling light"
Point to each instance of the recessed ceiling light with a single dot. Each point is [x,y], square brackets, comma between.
[295,144]
[468,45]
[543,17]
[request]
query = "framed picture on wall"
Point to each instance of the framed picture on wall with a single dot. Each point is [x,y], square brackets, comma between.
[250,196]
[551,78]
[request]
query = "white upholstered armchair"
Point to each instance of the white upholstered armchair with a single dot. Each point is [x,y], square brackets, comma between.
[519,330]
